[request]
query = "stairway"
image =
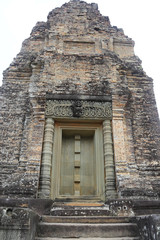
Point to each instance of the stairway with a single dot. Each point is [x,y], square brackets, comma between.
[87,222]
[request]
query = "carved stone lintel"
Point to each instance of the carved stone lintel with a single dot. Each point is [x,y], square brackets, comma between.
[79,109]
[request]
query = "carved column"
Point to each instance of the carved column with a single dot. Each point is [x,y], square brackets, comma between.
[45,176]
[110,182]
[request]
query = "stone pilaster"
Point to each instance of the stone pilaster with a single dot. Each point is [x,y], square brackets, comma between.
[45,178]
[110,183]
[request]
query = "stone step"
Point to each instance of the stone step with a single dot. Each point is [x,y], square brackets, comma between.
[81,211]
[85,219]
[87,230]
[120,238]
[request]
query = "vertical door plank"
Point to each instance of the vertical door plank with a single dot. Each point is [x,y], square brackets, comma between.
[88,164]
[67,166]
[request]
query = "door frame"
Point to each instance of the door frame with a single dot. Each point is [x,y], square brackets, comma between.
[56,159]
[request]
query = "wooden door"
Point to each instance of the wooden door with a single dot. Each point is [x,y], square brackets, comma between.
[78,164]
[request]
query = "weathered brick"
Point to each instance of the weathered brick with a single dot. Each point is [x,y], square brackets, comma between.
[77,51]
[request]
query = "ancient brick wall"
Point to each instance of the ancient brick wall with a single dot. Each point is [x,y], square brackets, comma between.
[77,51]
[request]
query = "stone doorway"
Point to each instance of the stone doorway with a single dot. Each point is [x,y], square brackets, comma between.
[78,161]
[77,157]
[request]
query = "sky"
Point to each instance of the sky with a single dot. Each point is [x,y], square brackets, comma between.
[140,20]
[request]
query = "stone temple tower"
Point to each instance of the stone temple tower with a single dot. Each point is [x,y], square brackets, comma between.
[80,134]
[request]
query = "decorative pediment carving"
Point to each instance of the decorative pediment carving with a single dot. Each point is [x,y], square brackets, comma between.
[79,109]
